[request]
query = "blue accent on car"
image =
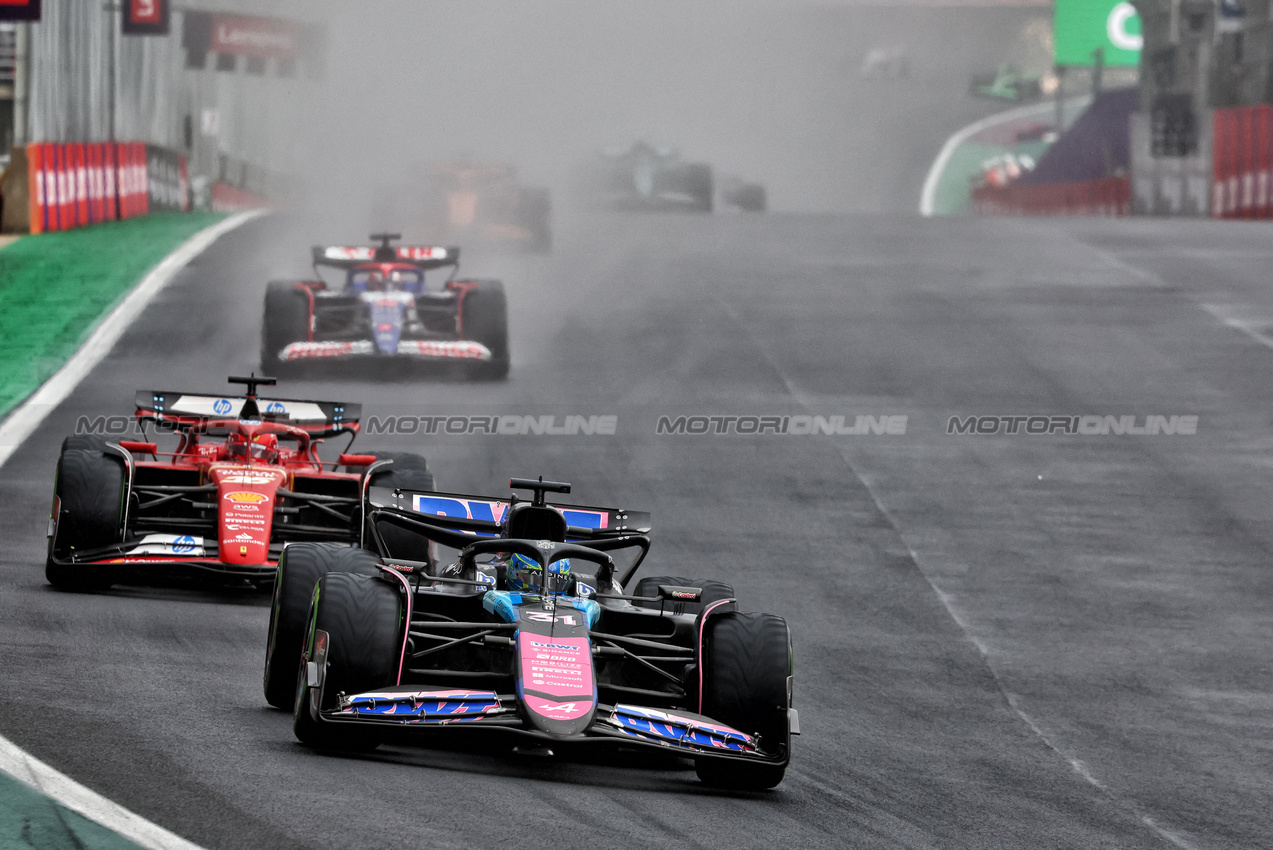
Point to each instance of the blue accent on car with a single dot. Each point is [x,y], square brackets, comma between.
[386,324]
[502,604]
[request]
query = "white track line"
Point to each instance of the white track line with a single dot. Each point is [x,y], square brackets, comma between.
[1256,330]
[928,195]
[24,419]
[74,796]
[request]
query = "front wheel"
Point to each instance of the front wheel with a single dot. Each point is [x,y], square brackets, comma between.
[89,493]
[746,672]
[362,617]
[299,568]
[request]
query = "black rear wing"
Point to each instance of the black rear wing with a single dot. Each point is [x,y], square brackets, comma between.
[458,519]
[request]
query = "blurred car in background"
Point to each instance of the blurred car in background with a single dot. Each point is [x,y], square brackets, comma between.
[1008,83]
[485,203]
[651,178]
[885,63]
[386,311]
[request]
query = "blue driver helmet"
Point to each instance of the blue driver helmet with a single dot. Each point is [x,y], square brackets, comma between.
[523,575]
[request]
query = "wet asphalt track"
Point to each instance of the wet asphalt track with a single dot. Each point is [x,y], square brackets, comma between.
[1001,641]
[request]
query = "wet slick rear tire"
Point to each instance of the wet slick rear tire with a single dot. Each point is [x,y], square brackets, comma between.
[299,569]
[746,663]
[485,320]
[286,320]
[90,484]
[362,618]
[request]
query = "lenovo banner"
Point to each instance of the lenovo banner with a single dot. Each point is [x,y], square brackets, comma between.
[243,35]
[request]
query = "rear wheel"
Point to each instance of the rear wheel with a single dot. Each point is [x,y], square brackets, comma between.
[286,320]
[536,216]
[90,489]
[746,667]
[409,471]
[484,313]
[700,186]
[362,616]
[713,591]
[299,569]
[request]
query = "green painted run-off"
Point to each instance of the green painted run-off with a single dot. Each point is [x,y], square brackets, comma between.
[28,819]
[56,287]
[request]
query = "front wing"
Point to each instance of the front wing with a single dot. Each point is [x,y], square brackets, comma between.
[413,349]
[422,710]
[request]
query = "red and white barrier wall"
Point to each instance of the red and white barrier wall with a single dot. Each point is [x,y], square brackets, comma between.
[1242,160]
[228,199]
[76,184]
[1108,197]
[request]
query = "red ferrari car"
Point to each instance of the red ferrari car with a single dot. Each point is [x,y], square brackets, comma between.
[244,480]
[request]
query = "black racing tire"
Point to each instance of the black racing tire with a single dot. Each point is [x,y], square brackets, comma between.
[713,591]
[84,442]
[409,471]
[700,186]
[299,569]
[751,198]
[484,313]
[91,485]
[362,616]
[746,666]
[286,319]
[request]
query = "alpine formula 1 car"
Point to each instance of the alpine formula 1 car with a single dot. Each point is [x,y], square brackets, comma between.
[384,310]
[244,480]
[485,203]
[533,632]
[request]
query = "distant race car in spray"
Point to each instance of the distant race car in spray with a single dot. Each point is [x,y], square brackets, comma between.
[885,63]
[385,311]
[485,203]
[1008,83]
[645,177]
[244,480]
[651,178]
[532,633]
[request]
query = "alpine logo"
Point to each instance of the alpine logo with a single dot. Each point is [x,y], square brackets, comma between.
[565,707]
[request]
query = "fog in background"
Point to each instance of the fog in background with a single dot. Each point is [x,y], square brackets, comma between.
[771,91]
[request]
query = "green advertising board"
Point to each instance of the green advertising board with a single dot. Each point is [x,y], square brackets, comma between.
[1080,27]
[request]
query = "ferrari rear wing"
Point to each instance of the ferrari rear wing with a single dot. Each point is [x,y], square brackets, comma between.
[321,417]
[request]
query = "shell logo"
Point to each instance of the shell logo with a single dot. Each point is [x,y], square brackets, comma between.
[247,498]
